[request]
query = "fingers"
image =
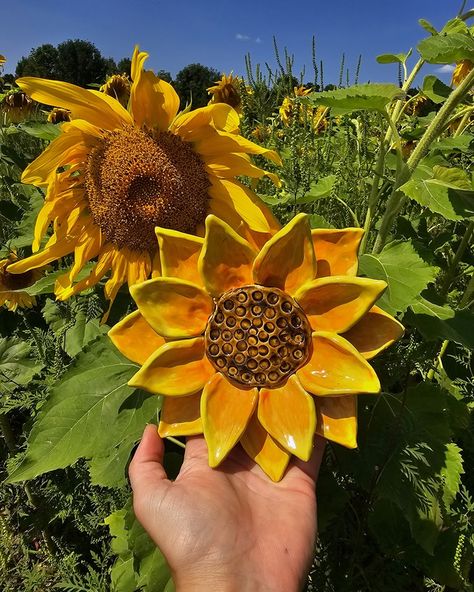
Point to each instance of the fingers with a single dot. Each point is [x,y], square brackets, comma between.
[146,468]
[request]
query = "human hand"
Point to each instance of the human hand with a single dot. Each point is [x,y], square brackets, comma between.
[227,529]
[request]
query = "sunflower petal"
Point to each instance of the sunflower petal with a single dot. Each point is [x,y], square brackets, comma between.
[134,338]
[179,254]
[239,196]
[174,308]
[288,415]
[50,253]
[336,303]
[337,368]
[228,166]
[287,260]
[154,102]
[336,250]
[215,143]
[177,369]
[225,411]
[226,258]
[180,416]
[374,332]
[92,106]
[263,449]
[337,419]
[220,116]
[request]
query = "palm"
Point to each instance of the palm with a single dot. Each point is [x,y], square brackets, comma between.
[230,517]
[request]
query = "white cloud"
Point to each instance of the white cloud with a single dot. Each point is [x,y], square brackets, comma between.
[258,40]
[446,69]
[241,37]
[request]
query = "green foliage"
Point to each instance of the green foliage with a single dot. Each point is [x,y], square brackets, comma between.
[192,82]
[446,49]
[367,97]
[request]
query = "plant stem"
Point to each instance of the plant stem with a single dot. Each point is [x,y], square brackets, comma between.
[457,257]
[175,441]
[397,199]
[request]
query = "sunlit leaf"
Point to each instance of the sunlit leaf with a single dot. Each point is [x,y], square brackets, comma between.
[365,97]
[447,49]
[393,58]
[17,364]
[318,190]
[435,89]
[405,272]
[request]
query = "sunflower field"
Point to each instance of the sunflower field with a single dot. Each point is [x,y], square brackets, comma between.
[295,247]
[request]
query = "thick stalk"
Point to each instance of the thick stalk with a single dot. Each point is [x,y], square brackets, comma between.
[397,199]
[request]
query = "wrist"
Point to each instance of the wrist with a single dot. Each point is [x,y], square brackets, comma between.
[231,582]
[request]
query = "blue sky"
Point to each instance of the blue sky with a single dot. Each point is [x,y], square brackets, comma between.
[220,33]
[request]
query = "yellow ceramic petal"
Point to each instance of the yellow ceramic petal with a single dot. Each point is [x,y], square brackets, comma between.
[95,107]
[225,410]
[174,308]
[242,199]
[337,368]
[217,143]
[226,258]
[179,254]
[180,416]
[177,369]
[337,419]
[375,331]
[336,250]
[153,102]
[336,303]
[288,415]
[263,449]
[287,260]
[134,338]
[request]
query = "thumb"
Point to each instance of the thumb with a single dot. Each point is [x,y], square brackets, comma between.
[147,475]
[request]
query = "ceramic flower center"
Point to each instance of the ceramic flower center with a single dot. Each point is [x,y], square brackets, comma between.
[258,336]
[136,181]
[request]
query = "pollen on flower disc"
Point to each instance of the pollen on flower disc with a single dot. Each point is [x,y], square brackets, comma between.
[137,180]
[258,336]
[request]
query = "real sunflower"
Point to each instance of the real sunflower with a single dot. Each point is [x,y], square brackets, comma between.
[227,90]
[3,59]
[16,106]
[118,86]
[12,286]
[58,115]
[266,347]
[460,72]
[114,174]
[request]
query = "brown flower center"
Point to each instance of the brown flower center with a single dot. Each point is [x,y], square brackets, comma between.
[136,181]
[258,336]
[17,281]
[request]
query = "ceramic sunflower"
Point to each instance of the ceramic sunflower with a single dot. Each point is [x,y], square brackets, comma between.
[263,347]
[115,173]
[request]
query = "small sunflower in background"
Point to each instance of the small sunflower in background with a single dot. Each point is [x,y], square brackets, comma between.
[114,174]
[58,115]
[3,59]
[265,347]
[12,286]
[227,90]
[118,86]
[16,106]
[288,107]
[460,72]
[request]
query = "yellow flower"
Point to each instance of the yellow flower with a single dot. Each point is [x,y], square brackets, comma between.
[286,110]
[227,90]
[118,86]
[58,115]
[16,107]
[114,174]
[3,59]
[266,347]
[319,120]
[261,132]
[461,71]
[289,107]
[12,286]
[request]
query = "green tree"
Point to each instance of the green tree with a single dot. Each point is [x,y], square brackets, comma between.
[164,75]
[124,66]
[192,83]
[75,61]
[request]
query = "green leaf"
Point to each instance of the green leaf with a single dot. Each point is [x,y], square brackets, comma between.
[365,97]
[273,200]
[451,473]
[44,131]
[140,408]
[45,285]
[318,190]
[17,366]
[80,417]
[447,49]
[442,322]
[460,143]
[445,192]
[405,272]
[435,89]
[393,58]
[427,26]
[317,221]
